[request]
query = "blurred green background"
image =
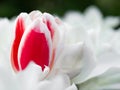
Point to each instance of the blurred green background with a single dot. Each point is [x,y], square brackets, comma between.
[10,8]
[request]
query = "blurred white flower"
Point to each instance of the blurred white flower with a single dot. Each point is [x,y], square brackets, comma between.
[99,35]
[6,37]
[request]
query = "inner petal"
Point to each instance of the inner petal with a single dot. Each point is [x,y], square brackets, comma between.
[35,48]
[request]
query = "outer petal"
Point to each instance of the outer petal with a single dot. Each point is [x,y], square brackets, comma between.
[18,35]
[35,46]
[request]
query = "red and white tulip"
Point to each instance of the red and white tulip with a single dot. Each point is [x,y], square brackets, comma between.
[35,40]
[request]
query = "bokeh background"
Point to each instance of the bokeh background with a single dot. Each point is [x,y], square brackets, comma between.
[10,8]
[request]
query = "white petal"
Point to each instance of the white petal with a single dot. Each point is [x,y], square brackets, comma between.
[110,80]
[35,15]
[88,64]
[6,37]
[31,76]
[72,87]
[93,18]
[70,57]
[112,21]
[60,82]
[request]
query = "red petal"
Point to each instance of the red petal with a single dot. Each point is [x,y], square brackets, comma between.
[35,48]
[18,34]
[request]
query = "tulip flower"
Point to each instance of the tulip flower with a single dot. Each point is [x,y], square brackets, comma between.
[35,40]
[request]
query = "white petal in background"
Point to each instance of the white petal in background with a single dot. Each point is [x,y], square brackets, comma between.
[6,38]
[32,78]
[109,80]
